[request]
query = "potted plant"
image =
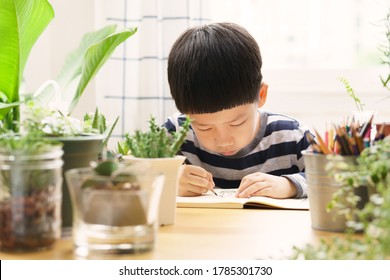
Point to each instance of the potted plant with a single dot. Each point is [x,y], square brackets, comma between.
[158,148]
[116,207]
[30,192]
[22,23]
[372,170]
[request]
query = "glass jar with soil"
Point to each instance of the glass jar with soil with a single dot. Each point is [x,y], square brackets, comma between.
[30,198]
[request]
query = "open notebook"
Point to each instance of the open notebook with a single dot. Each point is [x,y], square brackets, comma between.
[226,199]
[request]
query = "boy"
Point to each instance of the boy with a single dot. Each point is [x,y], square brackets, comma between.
[214,73]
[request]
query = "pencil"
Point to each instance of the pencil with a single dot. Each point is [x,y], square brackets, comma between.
[331,139]
[355,135]
[316,148]
[326,137]
[380,134]
[343,141]
[212,190]
[323,146]
[366,127]
[354,146]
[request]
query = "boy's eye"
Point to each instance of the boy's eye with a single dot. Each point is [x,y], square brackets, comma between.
[237,124]
[204,128]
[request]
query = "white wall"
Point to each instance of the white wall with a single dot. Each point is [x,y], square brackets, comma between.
[317,98]
[72,19]
[314,96]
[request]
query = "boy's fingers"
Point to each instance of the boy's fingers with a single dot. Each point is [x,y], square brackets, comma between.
[257,188]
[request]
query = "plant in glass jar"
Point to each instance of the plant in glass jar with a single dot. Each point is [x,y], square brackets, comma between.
[30,192]
[116,207]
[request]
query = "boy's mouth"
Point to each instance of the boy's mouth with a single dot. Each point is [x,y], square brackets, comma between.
[228,153]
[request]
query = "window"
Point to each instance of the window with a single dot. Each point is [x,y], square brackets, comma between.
[307,44]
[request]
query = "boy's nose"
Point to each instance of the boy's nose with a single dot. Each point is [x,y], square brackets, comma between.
[223,139]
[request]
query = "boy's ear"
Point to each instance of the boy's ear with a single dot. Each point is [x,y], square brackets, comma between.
[262,94]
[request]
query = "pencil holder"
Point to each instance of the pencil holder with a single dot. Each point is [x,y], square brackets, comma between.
[321,188]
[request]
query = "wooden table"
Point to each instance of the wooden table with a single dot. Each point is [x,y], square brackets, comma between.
[223,234]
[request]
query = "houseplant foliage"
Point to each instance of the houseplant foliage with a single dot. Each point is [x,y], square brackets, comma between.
[48,109]
[117,172]
[22,22]
[385,49]
[158,148]
[157,142]
[372,170]
[351,92]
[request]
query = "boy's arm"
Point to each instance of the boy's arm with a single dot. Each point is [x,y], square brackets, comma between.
[299,181]
[289,185]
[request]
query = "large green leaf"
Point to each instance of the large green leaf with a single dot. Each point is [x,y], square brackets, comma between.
[21,24]
[74,61]
[6,107]
[9,49]
[93,59]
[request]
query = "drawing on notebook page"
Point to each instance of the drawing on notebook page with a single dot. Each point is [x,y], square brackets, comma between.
[226,192]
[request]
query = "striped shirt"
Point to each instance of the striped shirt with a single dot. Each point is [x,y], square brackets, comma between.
[275,150]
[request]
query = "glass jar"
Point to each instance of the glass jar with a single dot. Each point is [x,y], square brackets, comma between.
[30,199]
[114,215]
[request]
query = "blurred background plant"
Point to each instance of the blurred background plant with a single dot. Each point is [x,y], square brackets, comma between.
[373,220]
[385,50]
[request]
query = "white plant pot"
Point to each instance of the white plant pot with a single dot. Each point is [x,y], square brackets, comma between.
[169,167]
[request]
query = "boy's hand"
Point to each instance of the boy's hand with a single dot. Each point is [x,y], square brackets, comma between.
[262,184]
[194,180]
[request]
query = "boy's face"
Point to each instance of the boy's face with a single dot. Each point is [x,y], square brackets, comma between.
[226,132]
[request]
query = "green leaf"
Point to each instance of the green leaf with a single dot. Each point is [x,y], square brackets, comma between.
[74,60]
[110,130]
[95,56]
[157,142]
[21,24]
[106,167]
[95,119]
[6,107]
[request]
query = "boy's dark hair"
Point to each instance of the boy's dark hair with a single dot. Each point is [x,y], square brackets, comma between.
[214,67]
